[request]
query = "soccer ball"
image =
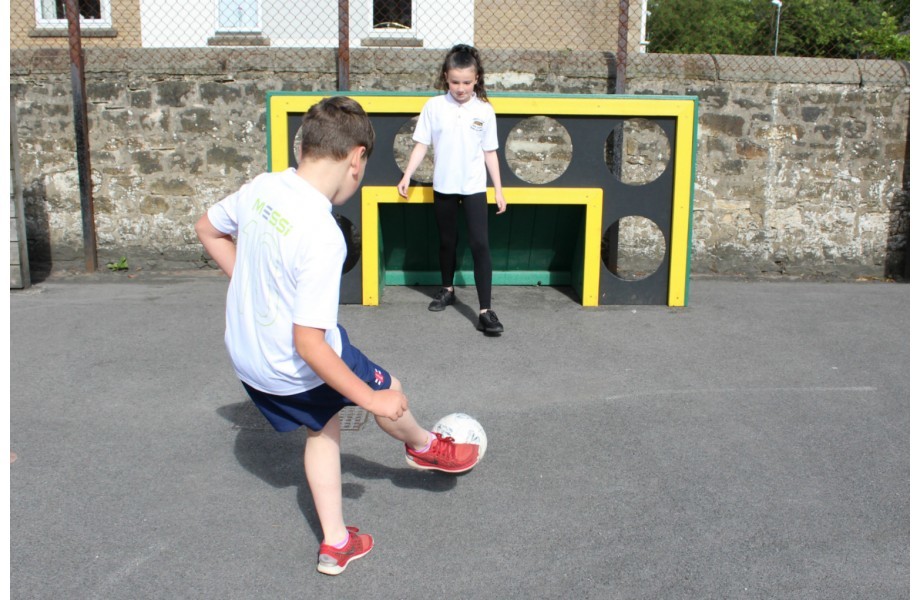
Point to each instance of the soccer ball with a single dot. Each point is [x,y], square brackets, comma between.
[464,429]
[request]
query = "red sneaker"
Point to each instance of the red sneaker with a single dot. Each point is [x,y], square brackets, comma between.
[333,561]
[445,455]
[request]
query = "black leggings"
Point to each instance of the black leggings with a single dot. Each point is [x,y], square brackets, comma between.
[446,211]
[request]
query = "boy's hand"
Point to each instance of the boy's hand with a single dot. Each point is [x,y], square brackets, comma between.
[390,404]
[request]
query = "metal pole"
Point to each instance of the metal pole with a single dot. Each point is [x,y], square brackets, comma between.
[616,136]
[779,9]
[81,129]
[622,47]
[22,277]
[344,58]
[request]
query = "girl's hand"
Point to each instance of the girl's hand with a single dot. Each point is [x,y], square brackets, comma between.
[500,202]
[403,187]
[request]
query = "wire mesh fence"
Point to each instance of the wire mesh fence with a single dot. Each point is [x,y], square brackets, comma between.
[626,29]
[189,89]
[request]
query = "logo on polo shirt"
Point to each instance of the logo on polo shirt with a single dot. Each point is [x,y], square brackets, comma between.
[272,216]
[378,377]
[477,124]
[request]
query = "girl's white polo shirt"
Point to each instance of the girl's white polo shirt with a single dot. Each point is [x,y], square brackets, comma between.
[458,133]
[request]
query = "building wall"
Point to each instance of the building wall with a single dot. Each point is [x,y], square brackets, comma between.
[154,24]
[563,25]
[125,20]
[793,177]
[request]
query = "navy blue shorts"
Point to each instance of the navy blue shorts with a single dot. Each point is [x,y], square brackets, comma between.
[314,408]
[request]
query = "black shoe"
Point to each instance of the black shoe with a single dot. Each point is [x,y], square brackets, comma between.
[444,299]
[489,324]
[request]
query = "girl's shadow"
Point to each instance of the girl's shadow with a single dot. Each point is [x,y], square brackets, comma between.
[277,459]
[461,307]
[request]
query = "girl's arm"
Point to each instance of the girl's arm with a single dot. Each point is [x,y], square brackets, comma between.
[415,159]
[491,157]
[219,245]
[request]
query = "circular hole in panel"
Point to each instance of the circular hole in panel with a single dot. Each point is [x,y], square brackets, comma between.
[538,149]
[402,148]
[352,242]
[298,138]
[633,248]
[637,151]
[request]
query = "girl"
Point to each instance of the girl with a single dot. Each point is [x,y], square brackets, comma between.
[460,126]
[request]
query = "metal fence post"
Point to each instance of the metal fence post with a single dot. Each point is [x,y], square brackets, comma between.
[81,129]
[343,58]
[20,276]
[622,46]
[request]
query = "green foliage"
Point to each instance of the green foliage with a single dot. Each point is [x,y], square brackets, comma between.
[820,28]
[121,265]
[885,41]
[701,26]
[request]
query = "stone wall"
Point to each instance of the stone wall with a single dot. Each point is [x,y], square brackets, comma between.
[793,176]
[796,175]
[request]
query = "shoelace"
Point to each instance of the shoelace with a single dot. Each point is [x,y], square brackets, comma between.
[442,445]
[491,316]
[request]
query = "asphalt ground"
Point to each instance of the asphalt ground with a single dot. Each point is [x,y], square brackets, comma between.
[754,444]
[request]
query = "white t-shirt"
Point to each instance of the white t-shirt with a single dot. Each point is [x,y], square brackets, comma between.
[289,257]
[458,133]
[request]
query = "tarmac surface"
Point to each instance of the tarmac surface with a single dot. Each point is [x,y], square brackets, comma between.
[754,444]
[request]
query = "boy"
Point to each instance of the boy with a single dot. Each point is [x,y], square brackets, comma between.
[294,360]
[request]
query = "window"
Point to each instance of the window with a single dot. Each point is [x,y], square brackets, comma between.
[52,14]
[238,16]
[392,25]
[393,14]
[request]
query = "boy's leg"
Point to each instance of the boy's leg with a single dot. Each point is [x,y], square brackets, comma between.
[405,429]
[323,467]
[425,450]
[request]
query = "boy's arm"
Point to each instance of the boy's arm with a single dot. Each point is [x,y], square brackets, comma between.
[310,343]
[415,159]
[491,157]
[219,245]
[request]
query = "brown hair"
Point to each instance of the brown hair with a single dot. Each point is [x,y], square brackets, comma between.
[463,56]
[333,127]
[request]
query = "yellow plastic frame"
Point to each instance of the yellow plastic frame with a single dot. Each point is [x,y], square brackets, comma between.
[682,108]
[373,196]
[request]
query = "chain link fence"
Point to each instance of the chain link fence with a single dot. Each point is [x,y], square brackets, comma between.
[624,29]
[401,44]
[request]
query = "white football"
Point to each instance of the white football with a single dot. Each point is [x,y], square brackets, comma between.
[464,429]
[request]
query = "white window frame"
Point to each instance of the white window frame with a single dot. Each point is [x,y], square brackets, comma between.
[105,22]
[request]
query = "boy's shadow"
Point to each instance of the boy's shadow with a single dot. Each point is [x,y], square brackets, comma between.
[277,459]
